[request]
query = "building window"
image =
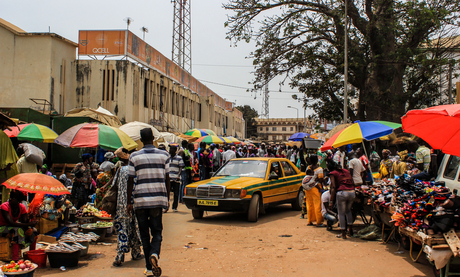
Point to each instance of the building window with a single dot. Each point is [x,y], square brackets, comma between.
[292,128]
[146,93]
[273,128]
[261,129]
[266,128]
[283,128]
[199,112]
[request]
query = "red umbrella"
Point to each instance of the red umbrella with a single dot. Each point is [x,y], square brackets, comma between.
[439,126]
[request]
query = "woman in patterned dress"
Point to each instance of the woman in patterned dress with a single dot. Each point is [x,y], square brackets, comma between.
[125,224]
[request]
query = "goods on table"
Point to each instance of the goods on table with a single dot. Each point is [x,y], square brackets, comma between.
[20,266]
[99,224]
[416,204]
[80,237]
[87,210]
[103,214]
[63,247]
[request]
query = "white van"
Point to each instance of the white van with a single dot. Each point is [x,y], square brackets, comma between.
[448,172]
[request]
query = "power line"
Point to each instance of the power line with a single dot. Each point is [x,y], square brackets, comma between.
[224,65]
[232,86]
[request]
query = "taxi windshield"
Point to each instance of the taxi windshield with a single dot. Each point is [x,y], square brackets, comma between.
[244,168]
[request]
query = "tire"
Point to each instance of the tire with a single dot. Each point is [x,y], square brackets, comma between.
[298,201]
[197,214]
[254,206]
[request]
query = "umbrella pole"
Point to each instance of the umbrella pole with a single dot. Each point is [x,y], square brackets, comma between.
[365,153]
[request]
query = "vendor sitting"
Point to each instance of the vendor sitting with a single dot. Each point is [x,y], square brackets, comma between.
[14,223]
[54,206]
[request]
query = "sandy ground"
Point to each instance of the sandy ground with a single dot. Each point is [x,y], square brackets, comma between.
[225,244]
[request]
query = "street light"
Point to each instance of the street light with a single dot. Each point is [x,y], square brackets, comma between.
[296,123]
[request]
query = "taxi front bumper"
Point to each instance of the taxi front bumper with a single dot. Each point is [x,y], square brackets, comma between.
[217,204]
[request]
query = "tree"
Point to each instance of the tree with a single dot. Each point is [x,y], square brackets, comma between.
[249,114]
[398,51]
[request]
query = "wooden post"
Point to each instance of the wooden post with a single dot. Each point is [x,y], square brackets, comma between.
[458,92]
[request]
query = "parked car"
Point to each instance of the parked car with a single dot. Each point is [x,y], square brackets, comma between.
[247,185]
[449,171]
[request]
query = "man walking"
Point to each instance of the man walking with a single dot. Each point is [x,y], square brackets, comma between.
[176,165]
[151,195]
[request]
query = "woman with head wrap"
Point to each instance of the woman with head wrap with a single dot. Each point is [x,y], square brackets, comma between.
[124,221]
[82,180]
[104,179]
[385,164]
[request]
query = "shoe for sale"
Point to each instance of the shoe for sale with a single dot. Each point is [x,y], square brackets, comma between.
[156,270]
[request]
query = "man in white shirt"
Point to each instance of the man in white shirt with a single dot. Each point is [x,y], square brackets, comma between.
[356,169]
[330,216]
[339,156]
[228,155]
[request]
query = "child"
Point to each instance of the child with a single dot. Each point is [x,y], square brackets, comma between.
[308,181]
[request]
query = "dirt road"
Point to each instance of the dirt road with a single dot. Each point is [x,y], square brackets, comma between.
[280,244]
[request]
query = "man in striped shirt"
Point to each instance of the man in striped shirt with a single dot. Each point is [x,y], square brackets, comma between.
[150,167]
[176,164]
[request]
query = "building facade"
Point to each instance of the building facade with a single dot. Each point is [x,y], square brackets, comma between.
[133,86]
[37,66]
[280,129]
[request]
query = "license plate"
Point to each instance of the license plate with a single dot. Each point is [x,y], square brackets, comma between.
[207,202]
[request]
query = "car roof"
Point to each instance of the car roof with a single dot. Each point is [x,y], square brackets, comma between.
[260,159]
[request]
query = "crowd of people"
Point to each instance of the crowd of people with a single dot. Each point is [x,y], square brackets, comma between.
[330,191]
[135,187]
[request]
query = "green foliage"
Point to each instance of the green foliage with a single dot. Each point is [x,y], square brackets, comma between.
[396,51]
[249,114]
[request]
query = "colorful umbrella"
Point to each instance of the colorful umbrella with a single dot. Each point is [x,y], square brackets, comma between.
[298,136]
[93,135]
[211,139]
[227,140]
[133,130]
[358,131]
[234,140]
[32,132]
[36,183]
[439,126]
[198,133]
[209,132]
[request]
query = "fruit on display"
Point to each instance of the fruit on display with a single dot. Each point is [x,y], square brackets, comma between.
[87,210]
[103,214]
[20,266]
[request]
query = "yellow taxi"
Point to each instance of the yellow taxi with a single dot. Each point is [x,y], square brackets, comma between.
[247,185]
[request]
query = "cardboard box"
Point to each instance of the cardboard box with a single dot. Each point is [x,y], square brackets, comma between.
[46,225]
[45,238]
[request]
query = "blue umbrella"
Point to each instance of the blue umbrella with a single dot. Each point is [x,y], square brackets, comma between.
[298,136]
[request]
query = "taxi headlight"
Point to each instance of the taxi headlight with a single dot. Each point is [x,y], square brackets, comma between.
[233,193]
[190,191]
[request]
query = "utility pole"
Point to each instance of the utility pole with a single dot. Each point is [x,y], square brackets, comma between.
[265,103]
[345,89]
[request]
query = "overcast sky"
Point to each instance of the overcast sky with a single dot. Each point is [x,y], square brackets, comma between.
[214,60]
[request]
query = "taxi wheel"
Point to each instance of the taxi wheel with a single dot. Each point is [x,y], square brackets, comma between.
[197,214]
[297,202]
[253,212]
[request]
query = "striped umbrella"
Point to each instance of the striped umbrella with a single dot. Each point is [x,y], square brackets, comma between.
[359,131]
[198,133]
[211,139]
[234,140]
[209,132]
[32,132]
[92,135]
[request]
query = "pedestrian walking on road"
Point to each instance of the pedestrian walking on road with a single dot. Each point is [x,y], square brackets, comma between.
[176,166]
[150,167]
[124,222]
